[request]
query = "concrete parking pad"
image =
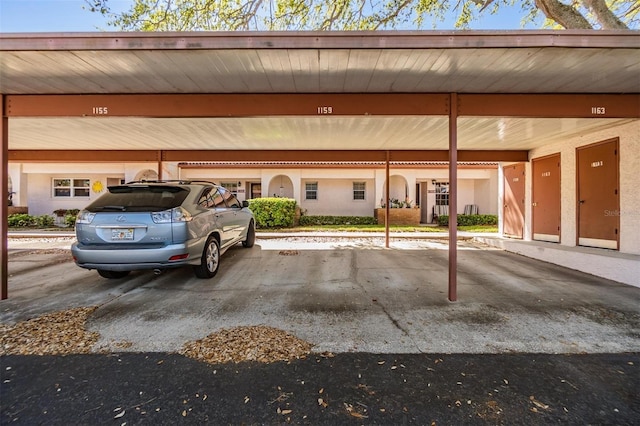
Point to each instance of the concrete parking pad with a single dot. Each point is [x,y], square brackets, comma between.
[342,295]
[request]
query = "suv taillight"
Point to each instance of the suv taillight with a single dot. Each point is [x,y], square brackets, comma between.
[85,216]
[177,214]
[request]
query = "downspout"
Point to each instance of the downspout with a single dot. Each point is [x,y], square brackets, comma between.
[4,188]
[453,197]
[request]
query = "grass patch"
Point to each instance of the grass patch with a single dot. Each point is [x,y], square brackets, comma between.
[380,228]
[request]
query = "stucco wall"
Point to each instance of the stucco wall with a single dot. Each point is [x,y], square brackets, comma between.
[486,194]
[41,200]
[335,197]
[335,186]
[38,178]
[629,157]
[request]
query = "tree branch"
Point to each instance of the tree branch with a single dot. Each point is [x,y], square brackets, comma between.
[564,15]
[604,15]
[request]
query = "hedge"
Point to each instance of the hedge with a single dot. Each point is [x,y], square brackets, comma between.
[24,220]
[337,220]
[470,219]
[273,212]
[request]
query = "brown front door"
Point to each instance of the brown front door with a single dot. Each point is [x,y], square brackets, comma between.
[256,190]
[598,196]
[424,207]
[546,198]
[513,212]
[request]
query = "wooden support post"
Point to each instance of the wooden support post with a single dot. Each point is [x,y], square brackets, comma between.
[4,194]
[386,204]
[453,198]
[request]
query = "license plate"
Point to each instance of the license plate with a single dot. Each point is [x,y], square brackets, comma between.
[122,234]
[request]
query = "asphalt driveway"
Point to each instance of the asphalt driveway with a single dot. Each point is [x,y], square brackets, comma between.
[527,342]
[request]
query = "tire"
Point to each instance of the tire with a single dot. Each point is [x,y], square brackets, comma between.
[210,261]
[112,275]
[251,236]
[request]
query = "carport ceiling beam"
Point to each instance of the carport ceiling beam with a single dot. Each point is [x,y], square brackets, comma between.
[87,156]
[349,156]
[227,105]
[343,156]
[342,104]
[550,106]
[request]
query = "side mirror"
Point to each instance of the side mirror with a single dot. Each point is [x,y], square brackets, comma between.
[245,203]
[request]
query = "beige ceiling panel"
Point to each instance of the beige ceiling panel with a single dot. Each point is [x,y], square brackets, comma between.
[358,133]
[305,69]
[333,73]
[360,68]
[491,133]
[464,70]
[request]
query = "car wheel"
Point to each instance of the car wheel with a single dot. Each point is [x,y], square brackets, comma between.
[210,261]
[112,274]
[251,236]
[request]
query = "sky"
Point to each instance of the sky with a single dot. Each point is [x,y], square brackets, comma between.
[27,16]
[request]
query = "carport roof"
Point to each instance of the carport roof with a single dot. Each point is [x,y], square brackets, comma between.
[321,62]
[482,62]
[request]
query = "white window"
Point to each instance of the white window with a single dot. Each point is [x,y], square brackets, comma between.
[71,188]
[311,191]
[358,190]
[442,193]
[232,187]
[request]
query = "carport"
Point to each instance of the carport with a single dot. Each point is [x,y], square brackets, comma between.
[427,96]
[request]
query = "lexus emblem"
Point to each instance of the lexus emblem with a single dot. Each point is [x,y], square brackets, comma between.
[121,218]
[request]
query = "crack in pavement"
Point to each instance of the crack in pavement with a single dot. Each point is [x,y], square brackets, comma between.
[394,321]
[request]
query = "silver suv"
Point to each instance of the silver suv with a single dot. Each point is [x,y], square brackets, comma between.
[161,224]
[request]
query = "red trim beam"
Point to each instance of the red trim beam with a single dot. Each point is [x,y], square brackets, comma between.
[225,105]
[550,106]
[249,105]
[267,156]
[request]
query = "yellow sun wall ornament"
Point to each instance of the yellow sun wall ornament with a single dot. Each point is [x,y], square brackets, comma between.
[97,186]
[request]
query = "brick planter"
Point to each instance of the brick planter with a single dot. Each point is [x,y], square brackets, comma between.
[399,216]
[16,209]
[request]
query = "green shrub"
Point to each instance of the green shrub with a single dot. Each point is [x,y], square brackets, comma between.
[23,220]
[273,212]
[20,220]
[337,220]
[70,219]
[43,221]
[470,219]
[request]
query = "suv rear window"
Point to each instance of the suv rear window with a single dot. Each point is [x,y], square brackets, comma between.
[139,198]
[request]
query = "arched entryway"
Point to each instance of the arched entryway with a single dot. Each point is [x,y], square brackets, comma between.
[398,192]
[281,186]
[147,174]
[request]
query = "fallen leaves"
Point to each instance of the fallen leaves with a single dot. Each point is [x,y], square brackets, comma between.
[490,411]
[357,411]
[247,343]
[537,404]
[57,333]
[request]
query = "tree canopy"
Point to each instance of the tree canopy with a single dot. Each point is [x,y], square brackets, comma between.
[301,15]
